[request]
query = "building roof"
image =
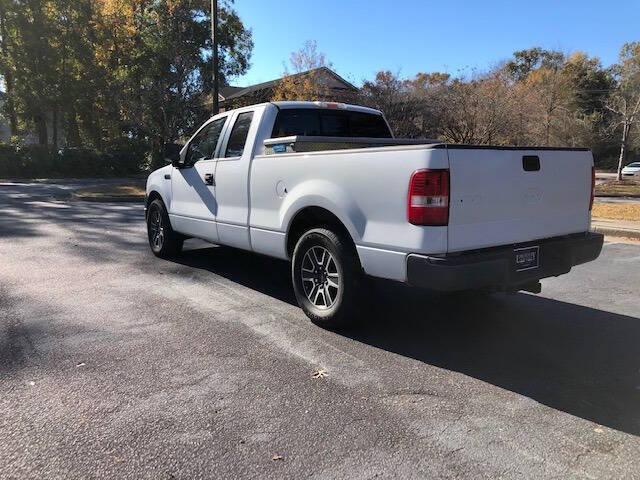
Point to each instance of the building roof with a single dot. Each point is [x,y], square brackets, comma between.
[228,91]
[272,83]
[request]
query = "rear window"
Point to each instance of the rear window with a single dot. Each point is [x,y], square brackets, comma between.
[329,123]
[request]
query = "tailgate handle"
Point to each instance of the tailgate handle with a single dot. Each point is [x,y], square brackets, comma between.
[531,163]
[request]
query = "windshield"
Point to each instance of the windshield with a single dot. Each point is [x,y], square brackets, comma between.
[329,123]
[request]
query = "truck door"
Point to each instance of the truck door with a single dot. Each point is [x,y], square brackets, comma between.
[232,180]
[194,207]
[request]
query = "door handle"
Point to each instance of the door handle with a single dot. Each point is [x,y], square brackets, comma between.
[208,179]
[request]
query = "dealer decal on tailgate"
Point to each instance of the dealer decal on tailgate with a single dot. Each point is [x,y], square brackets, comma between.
[527,258]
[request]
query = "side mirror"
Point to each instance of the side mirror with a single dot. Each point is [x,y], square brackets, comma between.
[172,153]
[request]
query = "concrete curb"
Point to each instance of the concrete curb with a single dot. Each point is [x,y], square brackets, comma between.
[92,180]
[617,232]
[108,199]
[615,195]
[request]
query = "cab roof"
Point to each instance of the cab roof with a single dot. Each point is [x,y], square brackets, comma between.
[325,105]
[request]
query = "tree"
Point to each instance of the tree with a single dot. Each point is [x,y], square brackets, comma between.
[28,61]
[304,82]
[424,94]
[391,95]
[526,61]
[586,120]
[549,95]
[540,97]
[477,111]
[108,70]
[624,102]
[6,65]
[589,83]
[160,53]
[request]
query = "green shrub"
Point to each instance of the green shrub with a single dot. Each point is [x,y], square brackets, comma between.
[124,157]
[79,162]
[37,161]
[10,161]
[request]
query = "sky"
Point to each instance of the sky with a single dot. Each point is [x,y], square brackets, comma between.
[361,37]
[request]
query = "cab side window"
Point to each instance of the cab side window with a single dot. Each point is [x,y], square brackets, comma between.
[238,137]
[203,146]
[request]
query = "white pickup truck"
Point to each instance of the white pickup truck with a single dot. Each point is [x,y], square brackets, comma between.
[326,186]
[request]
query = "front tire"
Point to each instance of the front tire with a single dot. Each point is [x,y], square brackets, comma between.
[327,278]
[164,242]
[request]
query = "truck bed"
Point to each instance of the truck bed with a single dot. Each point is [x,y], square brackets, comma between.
[305,143]
[495,199]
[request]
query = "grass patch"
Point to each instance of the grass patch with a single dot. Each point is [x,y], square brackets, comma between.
[623,188]
[617,211]
[98,192]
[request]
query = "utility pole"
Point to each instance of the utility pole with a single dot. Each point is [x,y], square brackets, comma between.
[214,46]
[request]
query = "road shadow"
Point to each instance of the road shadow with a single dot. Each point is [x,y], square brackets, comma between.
[576,359]
[263,274]
[22,217]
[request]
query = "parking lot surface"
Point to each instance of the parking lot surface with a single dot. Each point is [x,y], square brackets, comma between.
[116,364]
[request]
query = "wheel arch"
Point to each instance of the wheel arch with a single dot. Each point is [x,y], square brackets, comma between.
[320,202]
[151,196]
[312,217]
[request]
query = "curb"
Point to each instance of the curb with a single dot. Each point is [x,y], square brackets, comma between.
[616,195]
[94,180]
[107,199]
[617,232]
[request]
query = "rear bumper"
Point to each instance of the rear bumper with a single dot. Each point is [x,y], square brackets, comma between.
[495,267]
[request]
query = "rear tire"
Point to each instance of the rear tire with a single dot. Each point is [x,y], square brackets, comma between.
[164,242]
[327,278]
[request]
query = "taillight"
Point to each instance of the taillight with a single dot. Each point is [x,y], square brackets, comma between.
[593,186]
[428,199]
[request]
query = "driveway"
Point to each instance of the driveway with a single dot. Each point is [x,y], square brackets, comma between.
[115,364]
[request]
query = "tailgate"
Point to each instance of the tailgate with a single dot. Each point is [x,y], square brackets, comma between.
[499,197]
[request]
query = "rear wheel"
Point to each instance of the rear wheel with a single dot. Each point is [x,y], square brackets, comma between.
[327,278]
[164,242]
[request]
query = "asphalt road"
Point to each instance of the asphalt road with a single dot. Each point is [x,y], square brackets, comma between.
[115,364]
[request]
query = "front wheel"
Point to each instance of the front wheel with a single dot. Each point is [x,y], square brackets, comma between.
[327,278]
[164,242]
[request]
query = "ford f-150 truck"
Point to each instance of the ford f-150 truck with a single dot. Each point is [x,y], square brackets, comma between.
[327,187]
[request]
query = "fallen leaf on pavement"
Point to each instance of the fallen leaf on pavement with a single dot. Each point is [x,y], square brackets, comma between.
[320,373]
[277,457]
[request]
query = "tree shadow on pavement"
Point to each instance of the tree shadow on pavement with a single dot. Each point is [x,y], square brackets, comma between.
[576,359]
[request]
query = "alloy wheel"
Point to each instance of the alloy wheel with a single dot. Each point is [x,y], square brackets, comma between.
[157,229]
[320,277]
